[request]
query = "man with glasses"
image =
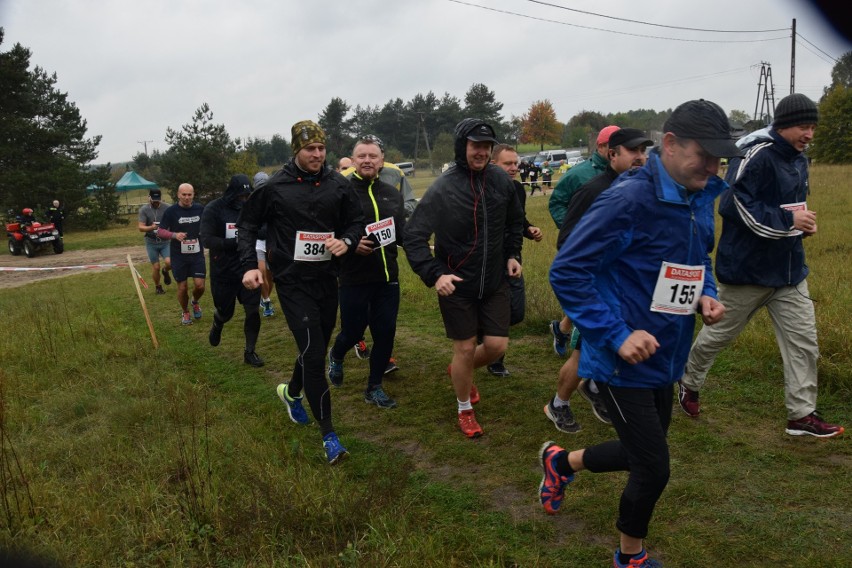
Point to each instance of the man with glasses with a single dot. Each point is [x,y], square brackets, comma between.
[632,276]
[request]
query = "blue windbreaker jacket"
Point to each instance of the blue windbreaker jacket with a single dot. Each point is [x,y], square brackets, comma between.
[605,273]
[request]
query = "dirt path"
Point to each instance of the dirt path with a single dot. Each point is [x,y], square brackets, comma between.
[118,255]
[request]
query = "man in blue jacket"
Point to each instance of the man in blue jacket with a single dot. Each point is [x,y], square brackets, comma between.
[631,276]
[761,263]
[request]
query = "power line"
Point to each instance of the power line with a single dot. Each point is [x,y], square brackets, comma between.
[815,47]
[613,31]
[817,55]
[653,24]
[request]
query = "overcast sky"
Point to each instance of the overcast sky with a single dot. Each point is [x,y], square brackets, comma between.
[136,68]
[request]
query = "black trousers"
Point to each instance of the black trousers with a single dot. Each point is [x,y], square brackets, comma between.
[375,305]
[641,418]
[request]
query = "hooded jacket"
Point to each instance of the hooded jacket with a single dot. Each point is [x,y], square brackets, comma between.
[605,274]
[219,232]
[758,245]
[477,222]
[379,201]
[293,200]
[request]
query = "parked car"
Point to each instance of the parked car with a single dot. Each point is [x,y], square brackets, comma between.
[406,167]
[574,160]
[554,156]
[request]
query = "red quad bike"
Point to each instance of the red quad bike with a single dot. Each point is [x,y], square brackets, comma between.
[33,237]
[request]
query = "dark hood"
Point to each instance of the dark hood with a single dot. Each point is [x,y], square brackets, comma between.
[239,185]
[462,130]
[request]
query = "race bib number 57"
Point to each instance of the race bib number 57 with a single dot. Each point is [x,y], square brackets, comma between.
[678,289]
[310,247]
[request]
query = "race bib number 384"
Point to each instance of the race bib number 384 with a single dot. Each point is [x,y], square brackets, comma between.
[310,246]
[678,289]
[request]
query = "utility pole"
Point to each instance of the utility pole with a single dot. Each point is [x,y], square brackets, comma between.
[145,144]
[793,60]
[766,102]
[422,125]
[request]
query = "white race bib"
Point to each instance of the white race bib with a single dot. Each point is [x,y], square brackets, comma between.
[190,246]
[799,206]
[385,231]
[310,246]
[230,230]
[678,289]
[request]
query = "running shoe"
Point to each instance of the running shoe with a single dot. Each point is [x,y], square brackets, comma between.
[160,290]
[552,486]
[596,400]
[560,340]
[638,561]
[167,279]
[379,397]
[468,424]
[334,371]
[392,366]
[688,400]
[268,310]
[813,425]
[562,417]
[294,405]
[334,451]
[186,319]
[253,359]
[361,350]
[498,369]
[196,310]
[215,334]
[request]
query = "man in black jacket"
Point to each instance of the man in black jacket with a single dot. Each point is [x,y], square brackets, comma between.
[477,221]
[369,279]
[313,217]
[219,237]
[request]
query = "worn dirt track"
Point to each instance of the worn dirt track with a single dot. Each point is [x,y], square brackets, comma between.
[47,258]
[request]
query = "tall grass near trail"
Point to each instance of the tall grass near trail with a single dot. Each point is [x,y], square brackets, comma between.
[116,454]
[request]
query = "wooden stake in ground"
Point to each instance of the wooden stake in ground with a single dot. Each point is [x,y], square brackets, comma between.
[133,274]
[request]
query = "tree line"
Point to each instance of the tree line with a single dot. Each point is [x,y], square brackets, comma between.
[45,153]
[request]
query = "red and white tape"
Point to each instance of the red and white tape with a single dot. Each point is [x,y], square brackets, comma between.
[44,268]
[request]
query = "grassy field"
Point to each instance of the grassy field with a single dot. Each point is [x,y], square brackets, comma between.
[116,454]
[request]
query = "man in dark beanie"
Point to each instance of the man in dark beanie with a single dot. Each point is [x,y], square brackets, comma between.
[760,262]
[313,216]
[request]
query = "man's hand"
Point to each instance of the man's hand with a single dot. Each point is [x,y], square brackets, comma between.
[365,247]
[179,236]
[446,284]
[336,246]
[638,347]
[535,233]
[711,310]
[805,221]
[513,267]
[252,279]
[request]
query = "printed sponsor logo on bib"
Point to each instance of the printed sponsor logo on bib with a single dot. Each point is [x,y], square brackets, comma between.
[678,289]
[230,230]
[799,206]
[385,231]
[310,246]
[190,246]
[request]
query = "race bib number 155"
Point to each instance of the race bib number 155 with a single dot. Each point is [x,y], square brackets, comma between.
[678,289]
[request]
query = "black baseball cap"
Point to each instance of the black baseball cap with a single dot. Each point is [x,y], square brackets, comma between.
[629,138]
[706,123]
[155,195]
[482,133]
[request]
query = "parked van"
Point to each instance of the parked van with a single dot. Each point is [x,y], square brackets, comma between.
[406,167]
[554,156]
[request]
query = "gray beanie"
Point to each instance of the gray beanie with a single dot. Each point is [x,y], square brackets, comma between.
[260,179]
[793,110]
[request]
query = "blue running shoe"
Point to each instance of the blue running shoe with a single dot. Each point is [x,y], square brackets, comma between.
[335,370]
[196,310]
[334,452]
[638,561]
[560,340]
[552,487]
[268,310]
[294,405]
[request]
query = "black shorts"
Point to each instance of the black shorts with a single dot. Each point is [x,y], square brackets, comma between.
[469,317]
[188,266]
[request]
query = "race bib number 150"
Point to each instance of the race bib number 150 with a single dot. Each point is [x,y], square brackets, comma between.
[678,289]
[384,230]
[310,247]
